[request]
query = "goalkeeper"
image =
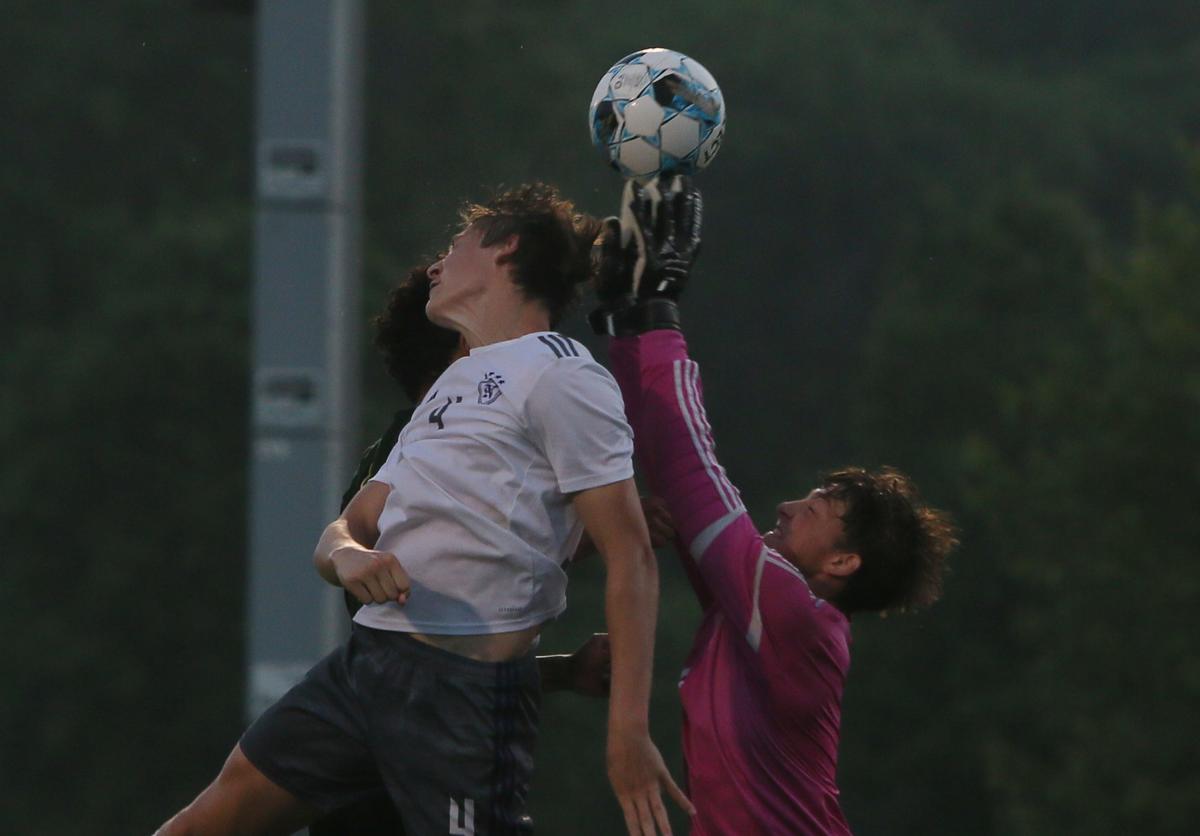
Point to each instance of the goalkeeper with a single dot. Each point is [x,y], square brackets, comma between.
[762,686]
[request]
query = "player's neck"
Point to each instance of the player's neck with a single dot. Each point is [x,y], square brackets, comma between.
[504,320]
[826,587]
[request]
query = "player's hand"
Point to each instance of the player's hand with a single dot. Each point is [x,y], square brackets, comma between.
[616,254]
[659,521]
[370,576]
[638,776]
[591,667]
[646,255]
[664,217]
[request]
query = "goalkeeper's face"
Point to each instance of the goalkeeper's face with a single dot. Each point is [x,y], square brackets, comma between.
[808,533]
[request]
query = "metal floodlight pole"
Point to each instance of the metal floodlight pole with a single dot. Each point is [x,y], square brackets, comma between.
[305,326]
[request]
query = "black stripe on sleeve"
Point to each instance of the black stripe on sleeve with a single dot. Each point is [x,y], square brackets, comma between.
[549,344]
[567,346]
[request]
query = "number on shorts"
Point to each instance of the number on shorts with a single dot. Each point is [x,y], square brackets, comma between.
[462,821]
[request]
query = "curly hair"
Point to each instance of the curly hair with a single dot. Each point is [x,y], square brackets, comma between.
[554,242]
[414,350]
[903,543]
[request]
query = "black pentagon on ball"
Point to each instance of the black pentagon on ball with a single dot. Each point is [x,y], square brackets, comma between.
[668,86]
[605,121]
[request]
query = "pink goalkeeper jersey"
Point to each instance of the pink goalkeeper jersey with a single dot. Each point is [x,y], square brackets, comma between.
[762,689]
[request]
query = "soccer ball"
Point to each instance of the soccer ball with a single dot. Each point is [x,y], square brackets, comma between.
[657,111]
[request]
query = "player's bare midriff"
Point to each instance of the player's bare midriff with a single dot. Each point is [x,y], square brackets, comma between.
[488,647]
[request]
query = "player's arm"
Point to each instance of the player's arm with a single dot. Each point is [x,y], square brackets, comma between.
[574,413]
[345,555]
[612,516]
[646,260]
[658,521]
[625,359]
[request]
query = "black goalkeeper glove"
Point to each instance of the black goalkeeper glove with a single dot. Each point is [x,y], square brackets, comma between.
[647,255]
[666,215]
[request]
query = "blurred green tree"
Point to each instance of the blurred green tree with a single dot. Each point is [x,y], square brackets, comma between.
[124,165]
[1109,680]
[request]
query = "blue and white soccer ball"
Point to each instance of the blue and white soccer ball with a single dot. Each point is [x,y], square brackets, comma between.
[655,111]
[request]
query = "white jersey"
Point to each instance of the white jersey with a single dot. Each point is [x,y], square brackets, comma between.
[479,512]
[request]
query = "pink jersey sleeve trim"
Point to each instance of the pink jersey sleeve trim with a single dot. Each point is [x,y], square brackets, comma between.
[688,397]
[755,628]
[754,631]
[709,535]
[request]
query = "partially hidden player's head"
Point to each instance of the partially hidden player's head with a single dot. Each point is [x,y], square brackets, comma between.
[414,350]
[527,246]
[865,541]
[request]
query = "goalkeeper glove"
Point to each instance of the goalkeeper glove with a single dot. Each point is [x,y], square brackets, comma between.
[646,256]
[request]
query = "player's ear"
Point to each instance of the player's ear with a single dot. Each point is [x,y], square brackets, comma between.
[506,249]
[842,564]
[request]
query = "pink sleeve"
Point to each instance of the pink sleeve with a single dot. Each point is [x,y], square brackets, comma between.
[673,444]
[725,555]
[624,359]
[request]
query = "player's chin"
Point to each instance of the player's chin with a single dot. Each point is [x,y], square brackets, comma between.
[435,312]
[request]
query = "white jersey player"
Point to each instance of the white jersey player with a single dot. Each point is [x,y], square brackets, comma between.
[455,547]
[478,507]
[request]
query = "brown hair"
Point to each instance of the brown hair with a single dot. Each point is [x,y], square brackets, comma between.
[902,543]
[554,242]
[414,350]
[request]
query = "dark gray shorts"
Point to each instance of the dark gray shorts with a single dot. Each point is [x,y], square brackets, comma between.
[450,739]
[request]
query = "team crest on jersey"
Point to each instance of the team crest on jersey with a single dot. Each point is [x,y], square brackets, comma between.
[489,388]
